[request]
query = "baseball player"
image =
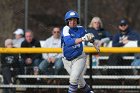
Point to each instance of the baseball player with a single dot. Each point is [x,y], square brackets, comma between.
[74,59]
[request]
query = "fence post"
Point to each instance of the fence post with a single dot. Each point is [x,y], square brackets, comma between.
[90,69]
[26,15]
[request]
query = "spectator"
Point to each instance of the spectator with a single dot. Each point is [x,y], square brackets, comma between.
[101,35]
[120,39]
[52,59]
[31,60]
[19,33]
[18,38]
[9,66]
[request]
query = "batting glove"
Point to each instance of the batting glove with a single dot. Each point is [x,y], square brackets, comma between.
[88,37]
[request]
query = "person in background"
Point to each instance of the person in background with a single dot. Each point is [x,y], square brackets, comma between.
[125,34]
[52,59]
[101,35]
[102,38]
[19,33]
[120,39]
[19,38]
[10,67]
[31,60]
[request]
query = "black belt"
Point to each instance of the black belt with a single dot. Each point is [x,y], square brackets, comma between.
[72,58]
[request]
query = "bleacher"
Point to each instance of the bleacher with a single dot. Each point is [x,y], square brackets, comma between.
[99,80]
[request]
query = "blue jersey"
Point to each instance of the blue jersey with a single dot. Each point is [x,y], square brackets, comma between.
[68,37]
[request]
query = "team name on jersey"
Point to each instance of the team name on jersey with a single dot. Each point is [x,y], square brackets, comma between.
[76,46]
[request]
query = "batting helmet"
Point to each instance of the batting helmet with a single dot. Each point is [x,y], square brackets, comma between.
[71,14]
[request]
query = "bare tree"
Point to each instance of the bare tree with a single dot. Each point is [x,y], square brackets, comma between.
[6,22]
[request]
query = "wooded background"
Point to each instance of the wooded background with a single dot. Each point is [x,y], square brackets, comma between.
[44,14]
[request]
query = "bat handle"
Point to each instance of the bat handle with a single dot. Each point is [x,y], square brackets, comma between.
[97,48]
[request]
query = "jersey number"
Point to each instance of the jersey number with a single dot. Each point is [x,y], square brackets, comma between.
[76,46]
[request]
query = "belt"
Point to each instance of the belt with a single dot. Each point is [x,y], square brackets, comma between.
[72,58]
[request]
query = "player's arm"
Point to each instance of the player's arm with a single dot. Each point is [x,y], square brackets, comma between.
[86,37]
[72,41]
[66,37]
[68,40]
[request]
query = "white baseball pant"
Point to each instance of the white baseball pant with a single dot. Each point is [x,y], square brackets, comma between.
[76,68]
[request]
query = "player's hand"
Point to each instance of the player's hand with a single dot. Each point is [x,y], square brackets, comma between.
[88,37]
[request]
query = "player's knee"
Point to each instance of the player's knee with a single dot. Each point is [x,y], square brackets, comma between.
[74,80]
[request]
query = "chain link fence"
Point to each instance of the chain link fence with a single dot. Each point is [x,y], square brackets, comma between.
[101,77]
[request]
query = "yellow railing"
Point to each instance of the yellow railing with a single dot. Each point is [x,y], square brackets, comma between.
[59,50]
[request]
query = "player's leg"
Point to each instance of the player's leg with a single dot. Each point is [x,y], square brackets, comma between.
[77,68]
[82,83]
[87,89]
[68,66]
[84,86]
